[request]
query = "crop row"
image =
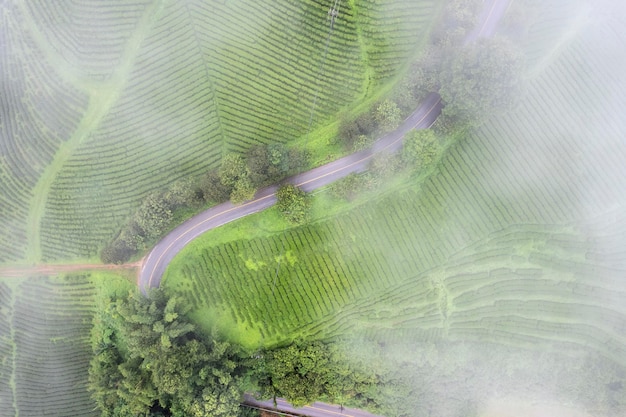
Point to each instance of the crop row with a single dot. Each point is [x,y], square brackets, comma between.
[393,31]
[196,90]
[6,351]
[37,111]
[51,322]
[90,36]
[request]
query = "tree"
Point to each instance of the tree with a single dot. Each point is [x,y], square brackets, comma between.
[388,115]
[243,191]
[349,186]
[233,169]
[268,163]
[149,361]
[180,194]
[153,216]
[480,79]
[421,148]
[306,372]
[293,203]
[351,128]
[213,191]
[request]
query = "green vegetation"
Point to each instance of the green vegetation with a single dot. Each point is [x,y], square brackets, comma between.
[44,342]
[480,80]
[512,244]
[112,102]
[148,361]
[293,203]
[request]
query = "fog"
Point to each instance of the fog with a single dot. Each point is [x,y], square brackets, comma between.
[554,168]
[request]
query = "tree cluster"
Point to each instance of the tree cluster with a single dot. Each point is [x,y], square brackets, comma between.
[293,203]
[149,361]
[358,133]
[307,372]
[150,220]
[237,179]
[420,149]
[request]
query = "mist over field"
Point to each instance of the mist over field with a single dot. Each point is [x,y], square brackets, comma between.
[491,283]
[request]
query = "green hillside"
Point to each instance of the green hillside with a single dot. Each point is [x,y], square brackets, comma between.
[105,102]
[517,238]
[44,344]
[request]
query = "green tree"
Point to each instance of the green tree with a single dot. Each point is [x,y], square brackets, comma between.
[388,115]
[213,191]
[149,361]
[307,372]
[153,216]
[243,191]
[293,203]
[421,148]
[480,79]
[233,169]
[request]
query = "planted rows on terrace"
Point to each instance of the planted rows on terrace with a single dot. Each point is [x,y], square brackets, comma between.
[516,238]
[49,323]
[208,80]
[90,36]
[38,111]
[7,393]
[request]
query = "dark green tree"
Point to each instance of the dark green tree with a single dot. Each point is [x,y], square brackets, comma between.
[213,190]
[421,148]
[149,361]
[388,115]
[479,80]
[293,203]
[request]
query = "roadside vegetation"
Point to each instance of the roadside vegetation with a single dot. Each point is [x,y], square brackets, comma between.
[484,260]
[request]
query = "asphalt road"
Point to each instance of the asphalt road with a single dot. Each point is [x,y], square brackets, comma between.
[313,410]
[156,262]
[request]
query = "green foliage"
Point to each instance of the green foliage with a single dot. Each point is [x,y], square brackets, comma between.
[242,191]
[306,372]
[348,187]
[421,148]
[147,357]
[269,164]
[480,79]
[213,191]
[293,203]
[351,129]
[388,115]
[153,216]
[233,169]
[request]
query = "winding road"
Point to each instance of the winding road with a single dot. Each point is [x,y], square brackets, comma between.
[157,260]
[154,264]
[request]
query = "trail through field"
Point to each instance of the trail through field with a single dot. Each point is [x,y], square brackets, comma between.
[26,271]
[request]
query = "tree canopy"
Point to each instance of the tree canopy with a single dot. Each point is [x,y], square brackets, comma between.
[293,203]
[420,148]
[149,361]
[479,79]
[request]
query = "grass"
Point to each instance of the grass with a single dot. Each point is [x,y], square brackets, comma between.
[163,92]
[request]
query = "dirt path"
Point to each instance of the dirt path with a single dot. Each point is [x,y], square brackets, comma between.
[26,271]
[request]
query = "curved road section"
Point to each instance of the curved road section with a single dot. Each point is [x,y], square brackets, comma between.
[157,260]
[314,410]
[154,265]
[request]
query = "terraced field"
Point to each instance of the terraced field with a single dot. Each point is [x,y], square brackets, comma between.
[516,239]
[107,102]
[44,346]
